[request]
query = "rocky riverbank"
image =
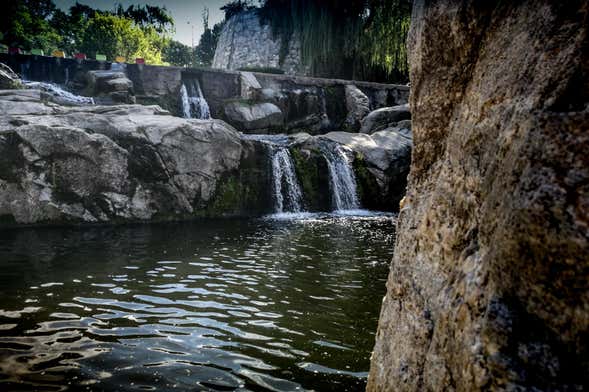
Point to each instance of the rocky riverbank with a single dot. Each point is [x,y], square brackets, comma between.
[82,164]
[488,288]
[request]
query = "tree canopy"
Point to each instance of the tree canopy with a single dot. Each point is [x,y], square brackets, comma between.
[353,39]
[137,31]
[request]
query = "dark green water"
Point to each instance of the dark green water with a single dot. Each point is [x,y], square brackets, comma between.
[223,305]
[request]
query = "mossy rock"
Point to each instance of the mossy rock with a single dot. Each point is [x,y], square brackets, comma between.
[312,173]
[246,191]
[369,192]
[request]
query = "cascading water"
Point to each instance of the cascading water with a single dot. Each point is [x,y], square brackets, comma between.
[194,104]
[185,102]
[59,93]
[287,191]
[341,178]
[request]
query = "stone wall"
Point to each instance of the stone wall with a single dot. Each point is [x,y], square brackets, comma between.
[489,285]
[313,105]
[245,42]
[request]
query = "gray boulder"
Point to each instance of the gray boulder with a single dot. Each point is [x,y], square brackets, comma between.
[91,164]
[109,87]
[8,78]
[357,105]
[249,84]
[383,118]
[258,117]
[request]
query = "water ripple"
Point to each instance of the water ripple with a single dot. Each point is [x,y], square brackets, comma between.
[278,304]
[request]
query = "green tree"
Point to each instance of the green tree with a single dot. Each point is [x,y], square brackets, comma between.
[207,44]
[71,27]
[148,16]
[113,36]
[235,7]
[176,53]
[25,24]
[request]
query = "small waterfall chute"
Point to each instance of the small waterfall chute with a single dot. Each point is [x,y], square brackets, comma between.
[286,189]
[288,196]
[61,95]
[194,104]
[342,180]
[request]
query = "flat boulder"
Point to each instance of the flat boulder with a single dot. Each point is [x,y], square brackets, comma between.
[383,118]
[258,117]
[109,87]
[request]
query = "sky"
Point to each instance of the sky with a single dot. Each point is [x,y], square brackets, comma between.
[186,13]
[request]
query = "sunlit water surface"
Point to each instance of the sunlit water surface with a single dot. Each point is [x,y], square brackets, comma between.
[283,303]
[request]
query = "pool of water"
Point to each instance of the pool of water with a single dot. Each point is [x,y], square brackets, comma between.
[281,304]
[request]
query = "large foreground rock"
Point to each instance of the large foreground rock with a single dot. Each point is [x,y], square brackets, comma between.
[63,165]
[489,285]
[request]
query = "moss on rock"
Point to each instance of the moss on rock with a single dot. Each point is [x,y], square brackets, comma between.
[311,170]
[369,192]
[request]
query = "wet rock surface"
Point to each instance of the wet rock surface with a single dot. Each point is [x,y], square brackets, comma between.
[488,288]
[126,163]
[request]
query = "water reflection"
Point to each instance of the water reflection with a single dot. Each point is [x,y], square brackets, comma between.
[215,305]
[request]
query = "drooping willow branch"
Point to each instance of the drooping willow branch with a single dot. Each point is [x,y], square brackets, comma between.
[356,38]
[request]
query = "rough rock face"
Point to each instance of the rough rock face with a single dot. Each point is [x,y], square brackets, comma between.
[358,106]
[109,87]
[249,85]
[245,42]
[489,285]
[107,163]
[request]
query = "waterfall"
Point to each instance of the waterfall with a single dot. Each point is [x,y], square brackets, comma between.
[194,104]
[287,191]
[59,93]
[185,102]
[341,179]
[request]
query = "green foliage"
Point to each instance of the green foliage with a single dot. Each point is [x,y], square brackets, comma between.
[148,16]
[205,51]
[138,31]
[176,53]
[111,35]
[236,7]
[24,23]
[356,39]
